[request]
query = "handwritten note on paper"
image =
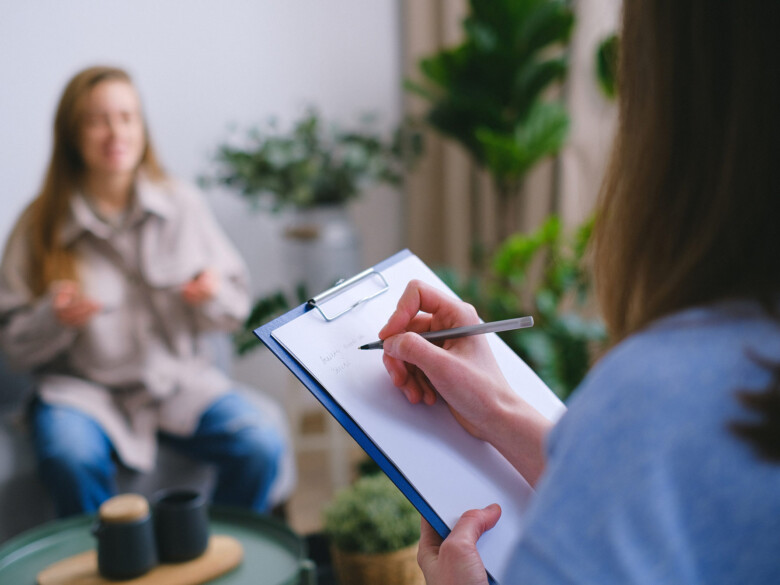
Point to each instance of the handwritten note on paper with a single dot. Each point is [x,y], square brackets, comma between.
[450,469]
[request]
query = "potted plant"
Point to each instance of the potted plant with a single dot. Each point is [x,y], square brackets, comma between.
[373,532]
[309,173]
[492,93]
[310,165]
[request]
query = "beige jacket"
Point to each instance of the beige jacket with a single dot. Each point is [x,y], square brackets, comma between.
[140,365]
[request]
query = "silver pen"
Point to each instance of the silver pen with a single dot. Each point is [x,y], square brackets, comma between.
[442,334]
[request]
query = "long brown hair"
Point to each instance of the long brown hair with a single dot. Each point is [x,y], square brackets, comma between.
[689,207]
[50,260]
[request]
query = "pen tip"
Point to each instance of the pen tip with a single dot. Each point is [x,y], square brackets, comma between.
[363,347]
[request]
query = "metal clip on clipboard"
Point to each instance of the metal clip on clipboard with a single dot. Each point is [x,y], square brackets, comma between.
[343,286]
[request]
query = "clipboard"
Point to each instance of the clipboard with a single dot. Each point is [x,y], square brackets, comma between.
[345,420]
[319,304]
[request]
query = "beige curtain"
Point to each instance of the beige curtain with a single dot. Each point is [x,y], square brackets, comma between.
[449,202]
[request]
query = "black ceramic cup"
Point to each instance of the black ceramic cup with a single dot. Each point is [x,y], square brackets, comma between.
[126,545]
[181,524]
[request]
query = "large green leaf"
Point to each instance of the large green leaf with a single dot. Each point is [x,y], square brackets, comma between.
[607,56]
[485,92]
[541,134]
[533,78]
[549,23]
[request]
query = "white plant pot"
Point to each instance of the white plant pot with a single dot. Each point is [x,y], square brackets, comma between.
[321,246]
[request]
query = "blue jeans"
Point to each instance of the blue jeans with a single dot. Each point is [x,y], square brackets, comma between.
[76,457]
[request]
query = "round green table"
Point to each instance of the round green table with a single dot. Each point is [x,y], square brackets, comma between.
[273,554]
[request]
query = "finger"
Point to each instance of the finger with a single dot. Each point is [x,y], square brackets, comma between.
[406,309]
[427,391]
[73,318]
[73,311]
[209,282]
[415,384]
[403,377]
[198,292]
[191,292]
[212,279]
[205,274]
[397,370]
[204,283]
[420,324]
[419,296]
[194,299]
[413,349]
[65,293]
[80,313]
[430,541]
[60,301]
[474,524]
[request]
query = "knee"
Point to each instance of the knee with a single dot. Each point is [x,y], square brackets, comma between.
[258,447]
[67,442]
[251,438]
[74,462]
[75,455]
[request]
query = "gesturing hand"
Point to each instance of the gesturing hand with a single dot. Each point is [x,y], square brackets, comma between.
[455,560]
[71,307]
[201,288]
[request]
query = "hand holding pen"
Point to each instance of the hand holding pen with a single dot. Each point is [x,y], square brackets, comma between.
[420,369]
[464,372]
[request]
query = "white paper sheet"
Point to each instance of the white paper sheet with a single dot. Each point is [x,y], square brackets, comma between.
[451,470]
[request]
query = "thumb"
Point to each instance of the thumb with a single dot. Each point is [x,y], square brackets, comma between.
[475,523]
[430,541]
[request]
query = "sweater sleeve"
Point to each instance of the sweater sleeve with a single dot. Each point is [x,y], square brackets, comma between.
[645,482]
[604,511]
[30,335]
[228,309]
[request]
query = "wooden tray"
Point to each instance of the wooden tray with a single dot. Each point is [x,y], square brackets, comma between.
[223,554]
[273,554]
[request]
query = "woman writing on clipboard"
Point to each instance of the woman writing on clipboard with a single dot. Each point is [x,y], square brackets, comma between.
[108,282]
[665,467]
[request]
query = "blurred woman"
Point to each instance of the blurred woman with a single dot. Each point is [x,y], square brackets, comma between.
[108,282]
[665,467]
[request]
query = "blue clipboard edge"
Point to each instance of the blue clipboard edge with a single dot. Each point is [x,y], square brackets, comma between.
[264,333]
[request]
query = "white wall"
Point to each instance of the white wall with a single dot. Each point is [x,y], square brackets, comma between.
[201,65]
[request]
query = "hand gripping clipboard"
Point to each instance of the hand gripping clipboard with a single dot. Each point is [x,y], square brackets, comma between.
[377,289]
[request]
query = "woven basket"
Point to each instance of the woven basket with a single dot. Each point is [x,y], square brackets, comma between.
[395,568]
